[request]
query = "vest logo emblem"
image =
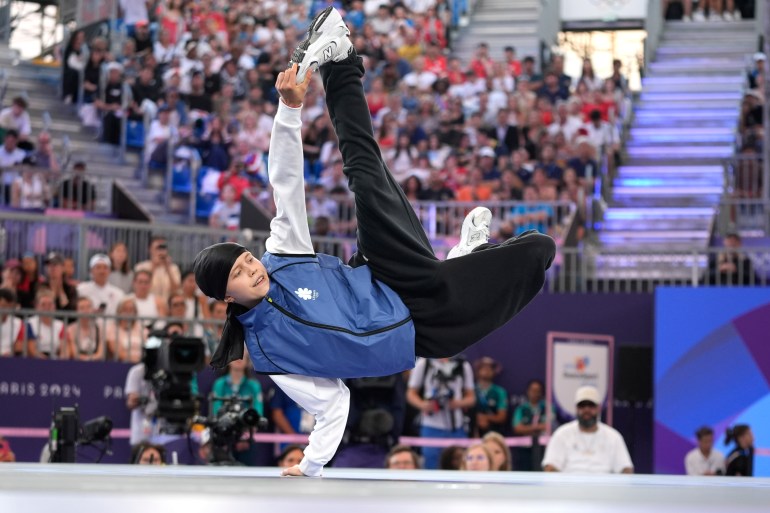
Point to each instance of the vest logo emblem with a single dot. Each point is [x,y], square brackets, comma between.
[306,294]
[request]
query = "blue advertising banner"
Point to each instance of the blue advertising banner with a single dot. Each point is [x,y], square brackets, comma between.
[712,368]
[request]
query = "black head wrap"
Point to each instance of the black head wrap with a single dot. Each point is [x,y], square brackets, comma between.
[212,267]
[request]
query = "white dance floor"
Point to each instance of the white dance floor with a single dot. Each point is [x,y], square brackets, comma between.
[34,488]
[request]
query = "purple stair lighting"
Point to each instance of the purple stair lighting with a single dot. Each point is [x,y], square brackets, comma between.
[665,194]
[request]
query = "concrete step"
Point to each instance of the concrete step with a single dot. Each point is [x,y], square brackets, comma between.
[672,225]
[654,104]
[659,122]
[724,48]
[505,15]
[682,137]
[664,191]
[669,181]
[522,30]
[681,200]
[695,71]
[669,161]
[680,152]
[678,140]
[646,214]
[663,98]
[714,113]
[653,170]
[502,4]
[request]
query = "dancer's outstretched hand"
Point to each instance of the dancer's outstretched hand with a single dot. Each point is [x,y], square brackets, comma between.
[291,92]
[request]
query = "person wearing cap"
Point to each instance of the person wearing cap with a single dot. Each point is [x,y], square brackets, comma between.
[64,294]
[110,102]
[586,445]
[760,60]
[491,399]
[104,296]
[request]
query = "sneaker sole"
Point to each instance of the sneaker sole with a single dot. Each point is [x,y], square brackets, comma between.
[301,55]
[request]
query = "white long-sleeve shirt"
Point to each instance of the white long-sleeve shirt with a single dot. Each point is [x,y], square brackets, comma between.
[328,400]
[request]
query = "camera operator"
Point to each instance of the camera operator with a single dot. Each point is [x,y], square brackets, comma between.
[441,389]
[142,401]
[375,421]
[237,383]
[166,277]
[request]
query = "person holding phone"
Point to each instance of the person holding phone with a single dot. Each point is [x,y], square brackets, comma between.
[166,277]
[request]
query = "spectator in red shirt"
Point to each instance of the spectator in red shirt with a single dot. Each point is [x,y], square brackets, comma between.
[514,65]
[234,177]
[433,29]
[455,72]
[482,63]
[435,62]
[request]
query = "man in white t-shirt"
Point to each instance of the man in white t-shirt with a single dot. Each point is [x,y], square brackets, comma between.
[704,460]
[48,332]
[587,445]
[104,296]
[440,389]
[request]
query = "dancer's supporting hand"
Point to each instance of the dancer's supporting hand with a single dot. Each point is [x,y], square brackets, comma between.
[291,92]
[292,471]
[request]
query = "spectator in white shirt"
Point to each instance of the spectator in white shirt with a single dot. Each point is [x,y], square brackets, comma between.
[587,445]
[104,296]
[564,123]
[147,303]
[48,332]
[602,135]
[11,327]
[10,153]
[704,460]
[16,118]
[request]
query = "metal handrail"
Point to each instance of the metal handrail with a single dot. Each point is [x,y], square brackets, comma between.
[654,26]
[101,320]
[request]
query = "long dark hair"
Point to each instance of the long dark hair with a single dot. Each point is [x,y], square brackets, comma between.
[124,269]
[734,433]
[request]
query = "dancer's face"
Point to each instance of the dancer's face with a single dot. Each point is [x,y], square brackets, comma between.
[247,283]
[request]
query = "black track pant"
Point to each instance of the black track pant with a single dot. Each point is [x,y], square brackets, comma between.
[454,303]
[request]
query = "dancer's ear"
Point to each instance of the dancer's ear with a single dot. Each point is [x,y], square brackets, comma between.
[229,299]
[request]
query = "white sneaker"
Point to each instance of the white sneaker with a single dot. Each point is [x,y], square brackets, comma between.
[327,40]
[727,16]
[698,16]
[475,232]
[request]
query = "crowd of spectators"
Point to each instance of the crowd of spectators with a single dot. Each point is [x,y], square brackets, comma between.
[493,128]
[107,316]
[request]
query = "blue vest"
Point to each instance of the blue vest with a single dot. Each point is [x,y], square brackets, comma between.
[325,319]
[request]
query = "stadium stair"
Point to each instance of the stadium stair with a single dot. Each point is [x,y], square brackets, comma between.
[501,23]
[666,191]
[39,84]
